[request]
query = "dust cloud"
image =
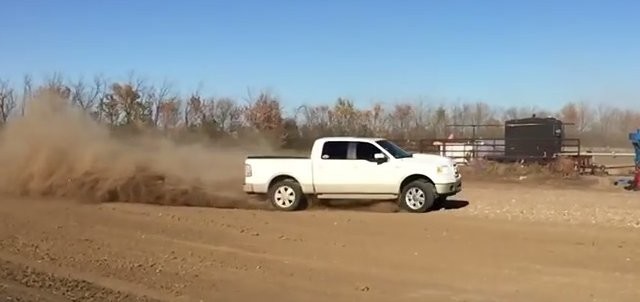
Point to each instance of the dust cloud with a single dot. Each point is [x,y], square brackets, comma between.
[56,150]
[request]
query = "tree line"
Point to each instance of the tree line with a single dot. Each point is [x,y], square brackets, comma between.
[135,105]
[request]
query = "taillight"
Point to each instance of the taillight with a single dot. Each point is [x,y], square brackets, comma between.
[247,170]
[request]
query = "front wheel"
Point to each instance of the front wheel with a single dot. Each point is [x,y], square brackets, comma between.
[286,195]
[418,196]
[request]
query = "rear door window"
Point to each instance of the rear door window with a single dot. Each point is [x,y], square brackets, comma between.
[335,150]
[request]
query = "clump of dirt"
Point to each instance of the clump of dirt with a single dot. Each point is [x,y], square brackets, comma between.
[57,150]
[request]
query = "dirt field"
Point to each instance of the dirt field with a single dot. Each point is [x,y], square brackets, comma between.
[495,242]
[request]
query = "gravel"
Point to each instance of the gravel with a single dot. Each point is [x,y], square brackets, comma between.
[519,202]
[24,283]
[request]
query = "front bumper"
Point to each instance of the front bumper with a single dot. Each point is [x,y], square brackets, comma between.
[449,189]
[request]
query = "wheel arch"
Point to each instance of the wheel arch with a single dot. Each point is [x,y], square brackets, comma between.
[413,177]
[280,177]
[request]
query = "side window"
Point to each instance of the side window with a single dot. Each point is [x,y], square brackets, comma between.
[366,151]
[335,150]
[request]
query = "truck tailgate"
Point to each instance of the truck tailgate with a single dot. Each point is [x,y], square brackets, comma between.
[261,171]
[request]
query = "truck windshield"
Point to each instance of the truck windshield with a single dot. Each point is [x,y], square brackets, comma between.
[392,148]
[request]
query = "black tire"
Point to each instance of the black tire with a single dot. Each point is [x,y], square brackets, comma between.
[418,196]
[289,188]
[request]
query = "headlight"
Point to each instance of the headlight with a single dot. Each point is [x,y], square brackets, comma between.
[442,169]
[247,170]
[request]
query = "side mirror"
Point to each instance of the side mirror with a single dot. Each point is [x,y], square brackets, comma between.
[379,158]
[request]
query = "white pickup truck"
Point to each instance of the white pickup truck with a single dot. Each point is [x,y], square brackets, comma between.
[353,168]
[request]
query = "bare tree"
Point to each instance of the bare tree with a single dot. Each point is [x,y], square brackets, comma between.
[264,113]
[440,122]
[605,116]
[124,106]
[313,121]
[226,114]
[345,118]
[168,113]
[585,120]
[195,111]
[423,120]
[86,96]
[376,118]
[578,114]
[27,89]
[157,97]
[480,113]
[400,120]
[7,100]
[55,84]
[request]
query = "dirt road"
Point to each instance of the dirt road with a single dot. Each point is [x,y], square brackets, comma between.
[502,243]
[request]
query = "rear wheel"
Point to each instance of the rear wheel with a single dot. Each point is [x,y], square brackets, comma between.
[286,195]
[417,196]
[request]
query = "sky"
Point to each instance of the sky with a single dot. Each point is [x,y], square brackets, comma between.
[540,53]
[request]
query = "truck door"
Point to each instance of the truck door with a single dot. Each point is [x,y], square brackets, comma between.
[369,176]
[331,170]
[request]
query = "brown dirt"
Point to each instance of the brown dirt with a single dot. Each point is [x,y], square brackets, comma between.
[495,242]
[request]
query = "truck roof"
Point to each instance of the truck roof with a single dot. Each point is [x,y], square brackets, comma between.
[349,138]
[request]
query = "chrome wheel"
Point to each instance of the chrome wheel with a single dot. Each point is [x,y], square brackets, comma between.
[415,198]
[284,196]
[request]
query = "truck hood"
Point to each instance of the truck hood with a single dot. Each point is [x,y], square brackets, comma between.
[429,158]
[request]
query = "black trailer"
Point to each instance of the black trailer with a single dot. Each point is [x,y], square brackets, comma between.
[533,138]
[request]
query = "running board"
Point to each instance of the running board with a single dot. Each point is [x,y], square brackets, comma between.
[357,196]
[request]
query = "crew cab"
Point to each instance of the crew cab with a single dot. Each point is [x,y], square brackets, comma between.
[353,168]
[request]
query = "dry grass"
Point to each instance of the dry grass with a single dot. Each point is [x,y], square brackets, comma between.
[561,168]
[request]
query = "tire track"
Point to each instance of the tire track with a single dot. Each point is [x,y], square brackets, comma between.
[34,282]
